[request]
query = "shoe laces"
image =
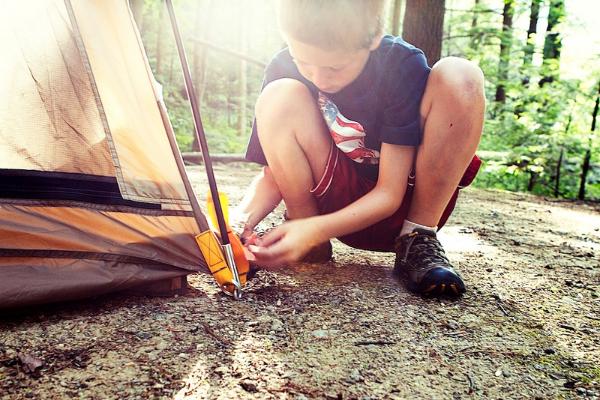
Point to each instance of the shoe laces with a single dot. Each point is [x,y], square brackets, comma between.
[425,247]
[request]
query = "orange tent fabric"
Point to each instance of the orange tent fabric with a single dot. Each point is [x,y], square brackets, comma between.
[91,196]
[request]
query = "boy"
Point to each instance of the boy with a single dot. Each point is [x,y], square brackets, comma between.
[362,141]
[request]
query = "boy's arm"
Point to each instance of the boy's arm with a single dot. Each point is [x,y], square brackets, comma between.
[290,241]
[260,199]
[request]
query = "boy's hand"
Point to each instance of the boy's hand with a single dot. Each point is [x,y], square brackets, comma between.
[287,243]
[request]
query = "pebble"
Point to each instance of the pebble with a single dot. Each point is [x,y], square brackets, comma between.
[452,325]
[355,376]
[143,335]
[277,325]
[249,386]
[320,333]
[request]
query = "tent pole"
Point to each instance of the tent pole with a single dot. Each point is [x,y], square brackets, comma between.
[201,137]
[198,127]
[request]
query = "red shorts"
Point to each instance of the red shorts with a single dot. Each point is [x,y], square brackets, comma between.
[341,185]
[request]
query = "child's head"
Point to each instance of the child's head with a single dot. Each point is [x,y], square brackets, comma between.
[332,24]
[330,40]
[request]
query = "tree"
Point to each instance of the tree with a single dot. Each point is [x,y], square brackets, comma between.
[137,9]
[474,35]
[396,10]
[423,26]
[585,168]
[553,41]
[243,77]
[159,38]
[531,31]
[505,46]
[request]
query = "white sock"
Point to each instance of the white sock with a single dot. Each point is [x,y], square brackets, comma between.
[409,226]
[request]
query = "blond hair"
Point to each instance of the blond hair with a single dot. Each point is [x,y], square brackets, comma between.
[332,24]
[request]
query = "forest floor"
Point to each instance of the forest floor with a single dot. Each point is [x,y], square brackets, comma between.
[528,326]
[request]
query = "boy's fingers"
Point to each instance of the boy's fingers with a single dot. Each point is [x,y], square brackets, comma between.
[270,256]
[271,237]
[250,239]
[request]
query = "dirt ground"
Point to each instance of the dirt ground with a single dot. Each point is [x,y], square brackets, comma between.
[528,327]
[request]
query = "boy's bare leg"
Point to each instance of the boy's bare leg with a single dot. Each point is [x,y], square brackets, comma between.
[452,112]
[295,141]
[452,109]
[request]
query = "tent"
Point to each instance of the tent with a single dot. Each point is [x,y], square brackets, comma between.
[92,185]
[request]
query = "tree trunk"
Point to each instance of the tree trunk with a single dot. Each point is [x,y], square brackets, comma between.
[198,61]
[474,43]
[588,154]
[553,41]
[208,22]
[423,26]
[396,11]
[558,167]
[159,37]
[505,45]
[137,9]
[531,31]
[243,94]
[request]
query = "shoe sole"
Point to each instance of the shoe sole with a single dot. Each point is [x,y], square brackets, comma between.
[449,284]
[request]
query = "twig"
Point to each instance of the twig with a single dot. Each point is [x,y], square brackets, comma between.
[214,335]
[471,383]
[503,309]
[499,303]
[375,342]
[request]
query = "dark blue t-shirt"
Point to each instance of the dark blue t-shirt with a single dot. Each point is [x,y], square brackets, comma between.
[384,99]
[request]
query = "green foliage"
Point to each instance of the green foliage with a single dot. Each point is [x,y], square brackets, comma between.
[545,114]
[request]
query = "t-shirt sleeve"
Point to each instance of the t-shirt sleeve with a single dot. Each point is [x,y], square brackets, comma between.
[401,122]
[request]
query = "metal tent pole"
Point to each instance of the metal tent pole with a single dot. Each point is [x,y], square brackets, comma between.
[201,137]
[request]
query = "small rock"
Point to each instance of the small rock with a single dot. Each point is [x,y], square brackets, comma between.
[355,376]
[277,325]
[549,350]
[161,344]
[320,333]
[570,384]
[30,363]
[143,335]
[222,370]
[249,386]
[453,325]
[498,372]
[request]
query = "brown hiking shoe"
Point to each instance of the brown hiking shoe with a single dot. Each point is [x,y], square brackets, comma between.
[319,254]
[422,260]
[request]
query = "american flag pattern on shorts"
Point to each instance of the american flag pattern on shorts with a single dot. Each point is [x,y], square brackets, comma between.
[349,136]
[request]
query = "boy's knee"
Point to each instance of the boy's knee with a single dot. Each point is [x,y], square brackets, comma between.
[460,78]
[282,99]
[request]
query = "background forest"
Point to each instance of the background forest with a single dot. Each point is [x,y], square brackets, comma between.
[541,59]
